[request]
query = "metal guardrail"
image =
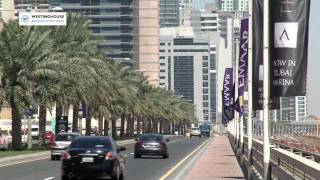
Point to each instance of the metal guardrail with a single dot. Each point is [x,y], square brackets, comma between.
[284,164]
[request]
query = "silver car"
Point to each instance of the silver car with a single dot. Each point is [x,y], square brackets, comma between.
[61,143]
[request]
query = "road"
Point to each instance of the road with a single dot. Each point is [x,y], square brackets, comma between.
[145,168]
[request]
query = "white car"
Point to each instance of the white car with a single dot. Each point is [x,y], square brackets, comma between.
[195,131]
[61,143]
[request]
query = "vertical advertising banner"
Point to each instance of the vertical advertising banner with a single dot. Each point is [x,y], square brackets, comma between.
[257,54]
[243,62]
[228,94]
[61,124]
[289,21]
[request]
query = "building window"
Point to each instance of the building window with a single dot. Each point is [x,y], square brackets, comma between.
[162,50]
[162,70]
[205,77]
[162,44]
[162,57]
[205,97]
[205,91]
[205,71]
[204,57]
[205,84]
[205,104]
[162,64]
[205,64]
[162,77]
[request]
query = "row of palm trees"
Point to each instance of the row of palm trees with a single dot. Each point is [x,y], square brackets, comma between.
[61,67]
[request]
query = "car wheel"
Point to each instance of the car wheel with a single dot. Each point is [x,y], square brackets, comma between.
[116,174]
[122,174]
[165,156]
[58,158]
[137,155]
[65,177]
[53,158]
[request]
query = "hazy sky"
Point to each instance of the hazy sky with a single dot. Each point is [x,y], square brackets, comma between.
[314,56]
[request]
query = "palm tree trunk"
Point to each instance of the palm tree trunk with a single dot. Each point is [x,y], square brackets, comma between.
[88,122]
[172,128]
[123,118]
[59,109]
[100,124]
[149,125]
[16,125]
[106,126]
[138,125]
[161,126]
[114,127]
[75,117]
[42,123]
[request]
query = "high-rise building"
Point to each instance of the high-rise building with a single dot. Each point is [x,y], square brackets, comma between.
[185,67]
[111,20]
[185,8]
[292,109]
[205,23]
[31,5]
[146,39]
[234,5]
[7,11]
[169,13]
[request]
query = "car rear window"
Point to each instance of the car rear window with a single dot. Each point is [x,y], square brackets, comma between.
[150,138]
[91,143]
[66,137]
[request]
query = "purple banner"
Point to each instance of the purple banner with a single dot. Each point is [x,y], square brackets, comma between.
[228,93]
[243,62]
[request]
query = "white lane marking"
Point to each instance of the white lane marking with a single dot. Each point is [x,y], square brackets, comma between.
[20,162]
[49,178]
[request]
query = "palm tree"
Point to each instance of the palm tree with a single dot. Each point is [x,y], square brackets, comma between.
[21,49]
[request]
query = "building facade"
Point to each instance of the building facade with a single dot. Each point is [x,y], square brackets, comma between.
[234,5]
[169,13]
[185,8]
[146,39]
[292,109]
[109,19]
[185,68]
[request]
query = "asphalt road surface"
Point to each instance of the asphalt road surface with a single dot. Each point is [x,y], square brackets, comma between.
[145,168]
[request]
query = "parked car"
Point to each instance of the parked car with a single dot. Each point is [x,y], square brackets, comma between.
[49,136]
[195,131]
[61,143]
[151,144]
[93,157]
[4,142]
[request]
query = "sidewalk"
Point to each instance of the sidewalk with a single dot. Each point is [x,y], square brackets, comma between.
[217,162]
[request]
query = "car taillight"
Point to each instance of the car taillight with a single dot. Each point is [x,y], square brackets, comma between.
[66,155]
[109,156]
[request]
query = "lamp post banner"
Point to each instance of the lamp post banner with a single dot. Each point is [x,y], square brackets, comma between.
[257,52]
[228,94]
[289,24]
[243,62]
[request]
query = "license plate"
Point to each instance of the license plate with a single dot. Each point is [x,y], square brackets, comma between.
[87,159]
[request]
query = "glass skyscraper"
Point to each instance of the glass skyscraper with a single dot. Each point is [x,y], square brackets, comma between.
[169,13]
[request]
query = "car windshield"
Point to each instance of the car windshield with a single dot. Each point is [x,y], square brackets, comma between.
[91,143]
[195,128]
[151,138]
[66,137]
[34,129]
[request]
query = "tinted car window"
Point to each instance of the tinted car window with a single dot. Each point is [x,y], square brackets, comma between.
[91,143]
[195,128]
[66,137]
[150,138]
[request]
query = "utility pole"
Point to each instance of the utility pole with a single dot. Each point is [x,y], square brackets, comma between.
[266,93]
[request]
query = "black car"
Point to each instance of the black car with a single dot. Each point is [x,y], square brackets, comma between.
[151,144]
[93,156]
